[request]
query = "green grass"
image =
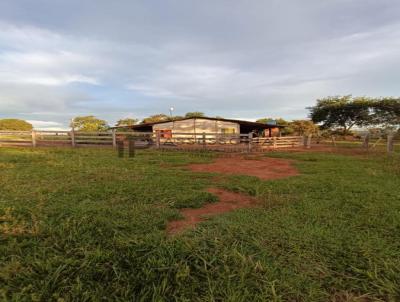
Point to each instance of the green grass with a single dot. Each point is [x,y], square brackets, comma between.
[85,225]
[374,144]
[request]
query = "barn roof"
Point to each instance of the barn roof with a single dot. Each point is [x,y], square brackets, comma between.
[240,122]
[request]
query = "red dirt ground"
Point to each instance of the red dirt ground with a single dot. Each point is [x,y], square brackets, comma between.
[228,201]
[265,168]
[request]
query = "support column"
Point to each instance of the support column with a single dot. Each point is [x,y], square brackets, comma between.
[250,142]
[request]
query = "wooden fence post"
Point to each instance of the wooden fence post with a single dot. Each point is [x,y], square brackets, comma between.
[114,138]
[308,146]
[120,148]
[274,142]
[73,138]
[72,133]
[158,139]
[33,138]
[390,143]
[131,147]
[250,142]
[204,141]
[365,143]
[333,140]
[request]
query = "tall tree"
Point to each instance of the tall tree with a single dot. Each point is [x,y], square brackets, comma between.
[156,118]
[342,112]
[386,112]
[89,123]
[194,114]
[15,124]
[126,122]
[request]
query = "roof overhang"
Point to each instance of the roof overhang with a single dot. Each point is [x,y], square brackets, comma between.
[240,122]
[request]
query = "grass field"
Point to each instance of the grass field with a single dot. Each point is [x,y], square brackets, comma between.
[85,225]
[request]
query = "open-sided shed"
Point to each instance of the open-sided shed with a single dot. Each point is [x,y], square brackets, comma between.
[208,125]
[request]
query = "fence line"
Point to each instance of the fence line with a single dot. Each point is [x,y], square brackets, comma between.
[367,142]
[179,140]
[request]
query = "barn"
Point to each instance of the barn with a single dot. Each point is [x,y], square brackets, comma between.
[198,125]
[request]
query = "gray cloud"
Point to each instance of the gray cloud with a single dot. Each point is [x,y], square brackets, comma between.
[244,59]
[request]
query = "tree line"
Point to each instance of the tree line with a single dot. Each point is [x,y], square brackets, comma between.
[338,114]
[92,123]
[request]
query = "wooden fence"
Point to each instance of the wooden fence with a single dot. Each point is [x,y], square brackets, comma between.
[365,142]
[180,141]
[264,143]
[69,138]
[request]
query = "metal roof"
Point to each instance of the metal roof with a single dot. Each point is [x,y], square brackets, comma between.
[240,122]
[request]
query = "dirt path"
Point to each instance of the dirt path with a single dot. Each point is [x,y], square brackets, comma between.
[228,201]
[264,168]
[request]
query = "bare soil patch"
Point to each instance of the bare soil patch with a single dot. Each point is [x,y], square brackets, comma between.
[228,201]
[264,168]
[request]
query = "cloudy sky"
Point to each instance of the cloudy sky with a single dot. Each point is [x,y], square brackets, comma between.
[238,59]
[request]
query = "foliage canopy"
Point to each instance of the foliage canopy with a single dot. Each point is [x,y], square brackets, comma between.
[127,122]
[15,124]
[342,112]
[298,127]
[302,127]
[156,118]
[89,123]
[387,112]
[194,114]
[345,112]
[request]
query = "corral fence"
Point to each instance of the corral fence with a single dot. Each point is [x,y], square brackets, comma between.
[366,142]
[175,141]
[226,142]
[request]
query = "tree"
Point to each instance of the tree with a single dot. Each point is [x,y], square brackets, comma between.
[15,124]
[302,127]
[126,122]
[89,123]
[343,112]
[156,118]
[386,112]
[194,114]
[176,117]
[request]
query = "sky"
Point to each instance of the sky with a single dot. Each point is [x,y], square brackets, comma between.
[237,59]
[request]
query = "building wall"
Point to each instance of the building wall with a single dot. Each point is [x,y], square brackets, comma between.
[198,126]
[272,131]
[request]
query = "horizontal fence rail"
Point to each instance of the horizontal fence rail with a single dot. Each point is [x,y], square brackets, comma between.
[279,142]
[176,140]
